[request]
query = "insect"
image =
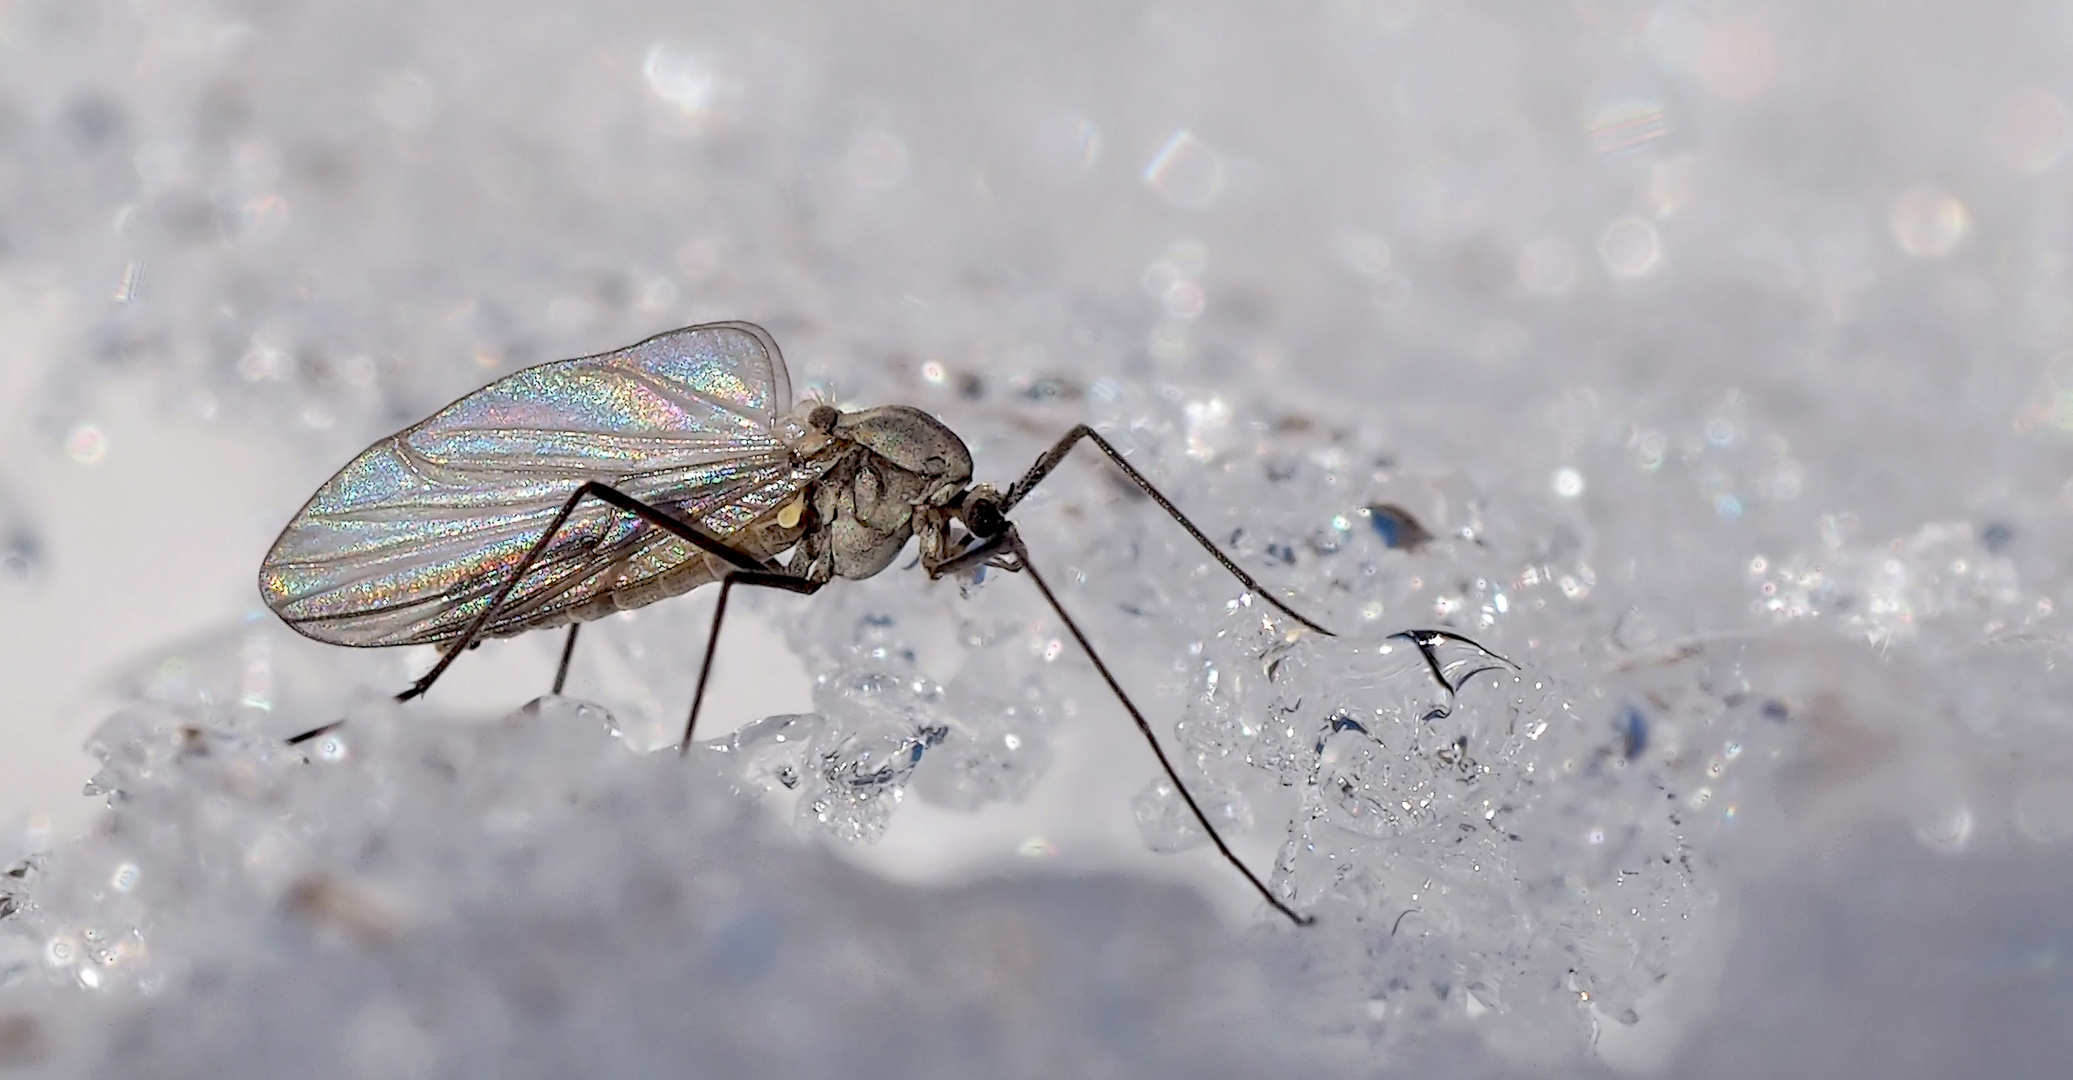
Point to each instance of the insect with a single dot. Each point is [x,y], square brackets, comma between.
[574,489]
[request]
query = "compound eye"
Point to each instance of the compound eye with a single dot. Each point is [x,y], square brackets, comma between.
[823,418]
[984,518]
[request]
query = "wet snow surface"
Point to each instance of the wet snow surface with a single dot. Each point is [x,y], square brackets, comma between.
[1705,363]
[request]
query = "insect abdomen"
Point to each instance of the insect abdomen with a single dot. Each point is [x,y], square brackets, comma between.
[761,540]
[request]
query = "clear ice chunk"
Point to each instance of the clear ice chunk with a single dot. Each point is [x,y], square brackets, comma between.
[1168,826]
[775,753]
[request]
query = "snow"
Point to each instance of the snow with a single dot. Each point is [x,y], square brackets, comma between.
[1703,363]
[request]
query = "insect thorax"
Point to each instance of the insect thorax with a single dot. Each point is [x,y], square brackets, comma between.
[898,460]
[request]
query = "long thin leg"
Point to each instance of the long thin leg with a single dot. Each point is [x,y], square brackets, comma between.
[980,553]
[612,497]
[568,653]
[297,740]
[1056,454]
[1022,554]
[603,493]
[768,579]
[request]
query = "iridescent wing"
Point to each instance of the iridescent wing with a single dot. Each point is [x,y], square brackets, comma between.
[409,543]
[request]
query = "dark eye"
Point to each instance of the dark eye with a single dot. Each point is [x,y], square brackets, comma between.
[984,518]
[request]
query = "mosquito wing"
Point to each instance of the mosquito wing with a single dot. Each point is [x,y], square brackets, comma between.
[410,542]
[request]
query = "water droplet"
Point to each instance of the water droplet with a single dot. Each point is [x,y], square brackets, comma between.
[1947,829]
[1186,172]
[86,443]
[1568,483]
[1631,247]
[60,951]
[1650,449]
[1185,300]
[688,78]
[1928,222]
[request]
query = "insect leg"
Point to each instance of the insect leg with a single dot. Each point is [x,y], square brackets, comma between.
[568,653]
[297,740]
[612,497]
[971,557]
[1022,554]
[606,494]
[1049,461]
[769,579]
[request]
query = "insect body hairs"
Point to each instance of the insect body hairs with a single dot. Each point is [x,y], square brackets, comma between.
[574,489]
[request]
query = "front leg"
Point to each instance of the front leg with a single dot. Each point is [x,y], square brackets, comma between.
[987,553]
[1051,459]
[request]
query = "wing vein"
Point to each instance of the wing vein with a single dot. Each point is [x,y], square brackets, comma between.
[412,538]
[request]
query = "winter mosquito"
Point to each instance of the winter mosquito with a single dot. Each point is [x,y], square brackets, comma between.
[574,489]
